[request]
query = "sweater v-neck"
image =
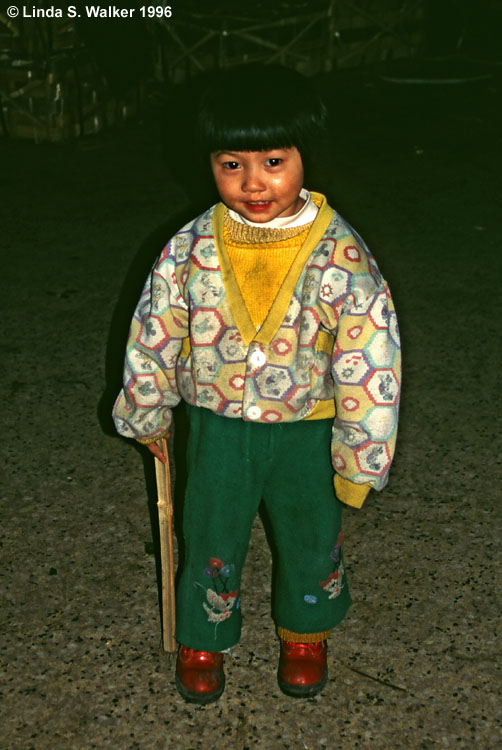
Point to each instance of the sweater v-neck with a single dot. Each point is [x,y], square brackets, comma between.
[279,308]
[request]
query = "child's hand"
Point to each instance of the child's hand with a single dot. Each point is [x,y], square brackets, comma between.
[157,451]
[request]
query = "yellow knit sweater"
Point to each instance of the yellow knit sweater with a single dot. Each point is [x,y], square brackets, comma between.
[261,258]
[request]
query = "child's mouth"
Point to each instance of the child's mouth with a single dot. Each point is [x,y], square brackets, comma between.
[258,205]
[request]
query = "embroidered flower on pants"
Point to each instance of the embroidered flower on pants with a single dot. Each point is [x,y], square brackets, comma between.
[220,601]
[219,606]
[334,582]
[335,552]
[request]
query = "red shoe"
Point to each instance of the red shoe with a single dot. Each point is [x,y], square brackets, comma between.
[303,668]
[199,675]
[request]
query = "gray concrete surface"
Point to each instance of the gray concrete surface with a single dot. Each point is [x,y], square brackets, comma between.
[416,665]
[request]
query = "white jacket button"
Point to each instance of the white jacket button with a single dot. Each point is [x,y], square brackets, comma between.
[254,412]
[258,358]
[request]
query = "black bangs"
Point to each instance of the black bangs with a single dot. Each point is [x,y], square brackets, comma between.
[250,138]
[260,107]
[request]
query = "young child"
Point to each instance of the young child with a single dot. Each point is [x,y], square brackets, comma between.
[268,316]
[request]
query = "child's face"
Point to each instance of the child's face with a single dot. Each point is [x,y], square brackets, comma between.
[260,185]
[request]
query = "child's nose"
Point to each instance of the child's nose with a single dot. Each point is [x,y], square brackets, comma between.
[253,181]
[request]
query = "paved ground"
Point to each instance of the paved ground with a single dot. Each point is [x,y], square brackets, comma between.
[415,665]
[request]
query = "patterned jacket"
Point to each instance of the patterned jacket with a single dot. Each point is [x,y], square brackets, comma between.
[331,333]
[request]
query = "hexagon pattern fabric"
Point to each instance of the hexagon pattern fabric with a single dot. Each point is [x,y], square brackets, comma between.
[330,334]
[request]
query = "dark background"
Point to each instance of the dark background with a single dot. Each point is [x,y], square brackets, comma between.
[415,167]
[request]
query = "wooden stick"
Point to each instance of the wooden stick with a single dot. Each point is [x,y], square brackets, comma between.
[165,509]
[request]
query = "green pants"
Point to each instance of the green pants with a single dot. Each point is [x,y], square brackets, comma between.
[232,466]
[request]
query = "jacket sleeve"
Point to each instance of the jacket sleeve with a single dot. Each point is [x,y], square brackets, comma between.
[366,370]
[159,325]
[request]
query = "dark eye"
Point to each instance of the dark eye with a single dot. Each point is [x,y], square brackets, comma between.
[231,164]
[273,162]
